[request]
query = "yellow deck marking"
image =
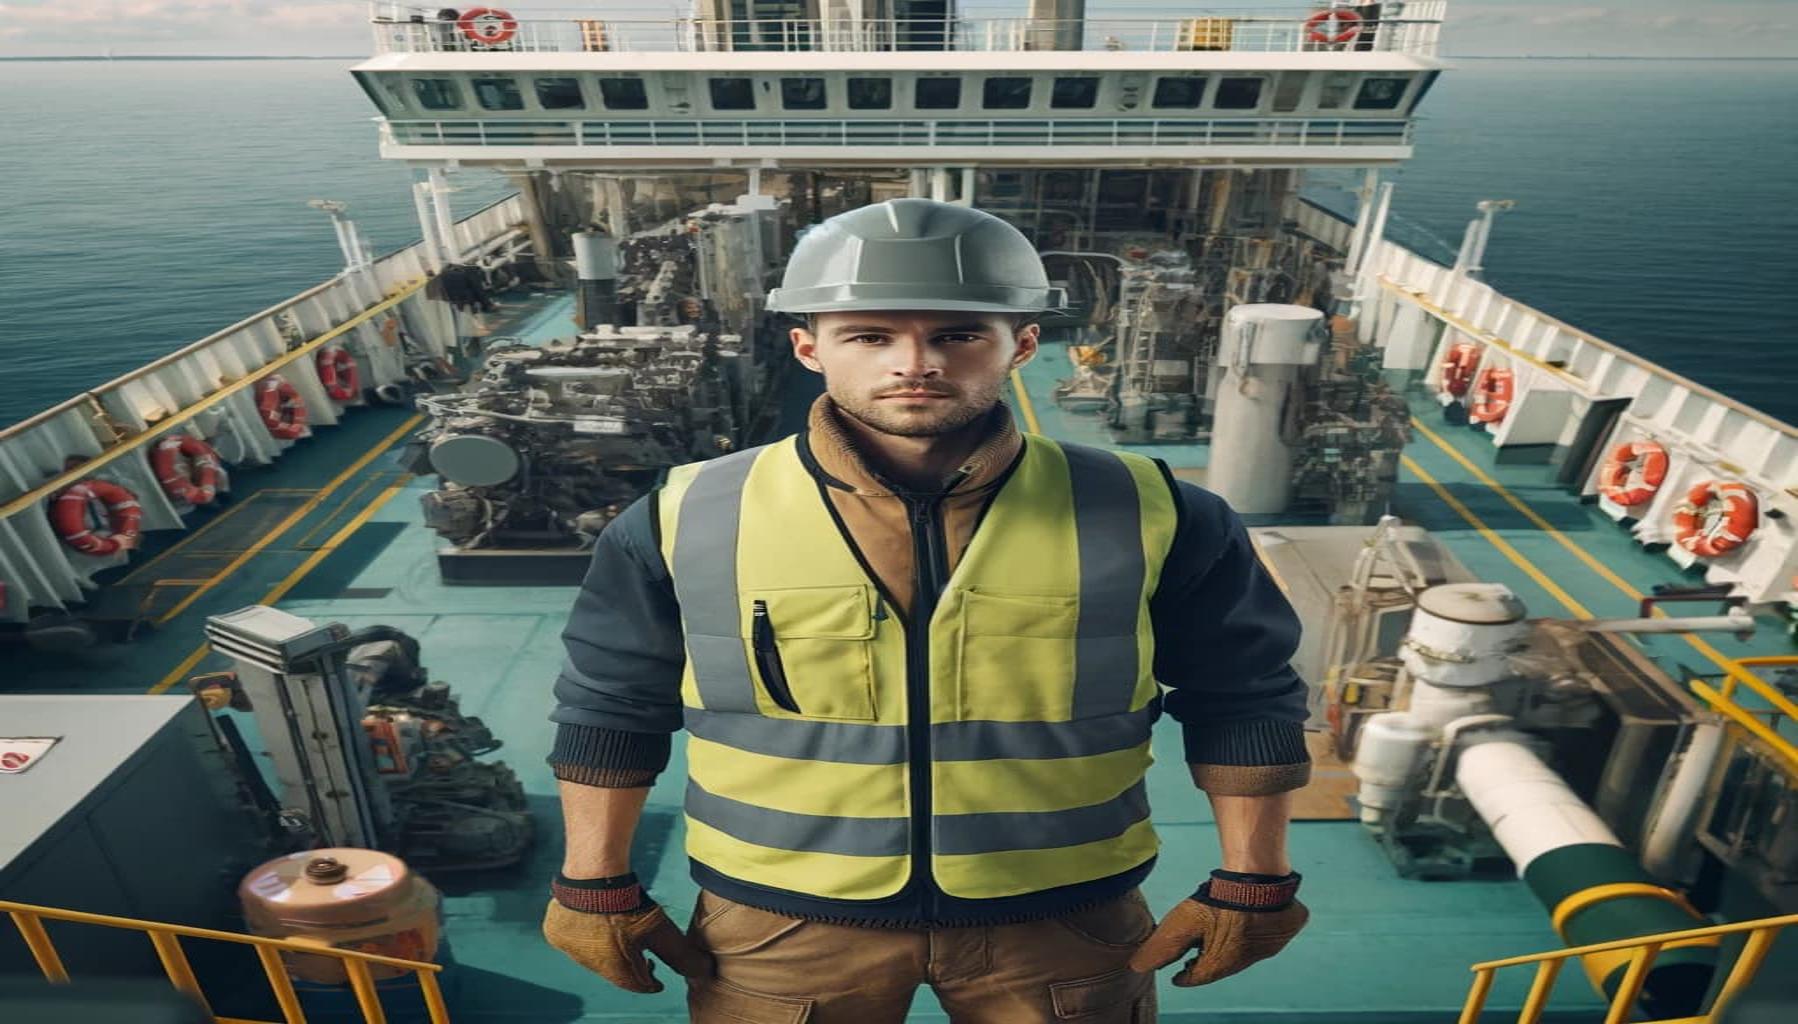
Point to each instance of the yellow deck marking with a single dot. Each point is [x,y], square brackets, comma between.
[292,579]
[1024,406]
[196,535]
[295,516]
[1722,660]
[1496,541]
[348,500]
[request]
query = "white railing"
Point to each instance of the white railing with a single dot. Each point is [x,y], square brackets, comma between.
[1421,308]
[1329,132]
[207,388]
[1410,28]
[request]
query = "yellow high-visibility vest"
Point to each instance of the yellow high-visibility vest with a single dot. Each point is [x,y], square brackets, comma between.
[804,723]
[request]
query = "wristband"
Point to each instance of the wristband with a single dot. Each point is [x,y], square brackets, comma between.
[1242,890]
[611,895]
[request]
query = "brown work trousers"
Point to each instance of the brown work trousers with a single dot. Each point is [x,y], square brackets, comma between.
[775,969]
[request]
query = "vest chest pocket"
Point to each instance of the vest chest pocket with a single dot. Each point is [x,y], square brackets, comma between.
[811,649]
[1016,658]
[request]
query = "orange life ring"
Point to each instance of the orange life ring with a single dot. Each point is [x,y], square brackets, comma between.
[337,372]
[1633,472]
[1349,21]
[1492,395]
[488,26]
[283,411]
[195,483]
[1457,367]
[1708,531]
[69,517]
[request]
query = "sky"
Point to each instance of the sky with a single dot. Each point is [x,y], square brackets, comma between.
[1643,28]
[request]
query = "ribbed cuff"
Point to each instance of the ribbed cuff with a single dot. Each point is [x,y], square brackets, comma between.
[1251,743]
[609,758]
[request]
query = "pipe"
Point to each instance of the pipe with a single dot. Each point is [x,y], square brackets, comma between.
[1576,866]
[1451,733]
[1672,823]
[1737,621]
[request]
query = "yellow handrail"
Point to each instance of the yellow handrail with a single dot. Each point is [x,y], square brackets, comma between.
[128,443]
[1644,947]
[1722,700]
[165,938]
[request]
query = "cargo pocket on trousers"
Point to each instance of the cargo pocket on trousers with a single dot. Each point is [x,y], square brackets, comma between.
[1110,993]
[718,1000]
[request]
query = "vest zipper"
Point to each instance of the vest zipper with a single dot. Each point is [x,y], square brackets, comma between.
[930,559]
[767,658]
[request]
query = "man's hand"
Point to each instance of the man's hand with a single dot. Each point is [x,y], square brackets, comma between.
[1232,921]
[607,928]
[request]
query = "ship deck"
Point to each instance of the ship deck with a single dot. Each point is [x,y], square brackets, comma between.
[334,533]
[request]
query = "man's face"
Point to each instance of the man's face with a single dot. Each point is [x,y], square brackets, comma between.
[914,374]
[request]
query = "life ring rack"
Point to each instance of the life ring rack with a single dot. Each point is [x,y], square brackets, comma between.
[488,26]
[1708,531]
[194,484]
[1633,473]
[282,409]
[1348,26]
[337,372]
[70,509]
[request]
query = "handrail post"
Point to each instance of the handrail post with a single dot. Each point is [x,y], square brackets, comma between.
[174,963]
[363,984]
[1630,988]
[1747,963]
[42,949]
[1533,1004]
[1476,997]
[285,997]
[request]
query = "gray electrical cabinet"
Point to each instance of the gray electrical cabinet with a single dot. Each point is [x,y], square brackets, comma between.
[133,813]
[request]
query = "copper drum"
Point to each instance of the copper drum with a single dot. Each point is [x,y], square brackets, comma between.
[346,898]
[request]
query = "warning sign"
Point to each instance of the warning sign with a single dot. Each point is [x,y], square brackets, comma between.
[18,753]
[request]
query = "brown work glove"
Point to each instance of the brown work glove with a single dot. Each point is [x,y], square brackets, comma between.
[605,924]
[1232,921]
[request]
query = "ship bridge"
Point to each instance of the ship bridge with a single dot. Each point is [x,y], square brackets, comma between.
[900,84]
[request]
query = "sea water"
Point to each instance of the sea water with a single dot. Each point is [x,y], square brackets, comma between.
[150,203]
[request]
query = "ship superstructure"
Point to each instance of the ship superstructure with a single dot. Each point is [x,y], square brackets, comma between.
[1545,581]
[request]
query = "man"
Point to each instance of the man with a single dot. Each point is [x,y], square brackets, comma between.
[917,655]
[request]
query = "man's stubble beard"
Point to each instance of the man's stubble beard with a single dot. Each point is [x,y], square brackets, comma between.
[968,406]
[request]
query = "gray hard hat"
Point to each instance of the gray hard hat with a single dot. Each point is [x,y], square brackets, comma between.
[913,254]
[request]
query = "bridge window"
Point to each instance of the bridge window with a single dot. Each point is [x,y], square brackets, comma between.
[1007,94]
[559,94]
[1186,91]
[732,94]
[1074,93]
[437,93]
[937,93]
[1238,94]
[1380,93]
[802,93]
[498,94]
[870,94]
[623,94]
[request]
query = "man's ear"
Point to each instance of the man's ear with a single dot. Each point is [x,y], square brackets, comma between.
[805,349]
[1026,348]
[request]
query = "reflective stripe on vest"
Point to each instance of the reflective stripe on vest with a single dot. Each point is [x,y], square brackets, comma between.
[1040,687]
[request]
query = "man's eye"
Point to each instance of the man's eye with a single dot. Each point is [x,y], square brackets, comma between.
[869,337]
[960,337]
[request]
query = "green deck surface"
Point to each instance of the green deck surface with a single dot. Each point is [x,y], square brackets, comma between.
[1379,948]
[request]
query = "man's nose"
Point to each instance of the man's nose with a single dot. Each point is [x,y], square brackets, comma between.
[914,357]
